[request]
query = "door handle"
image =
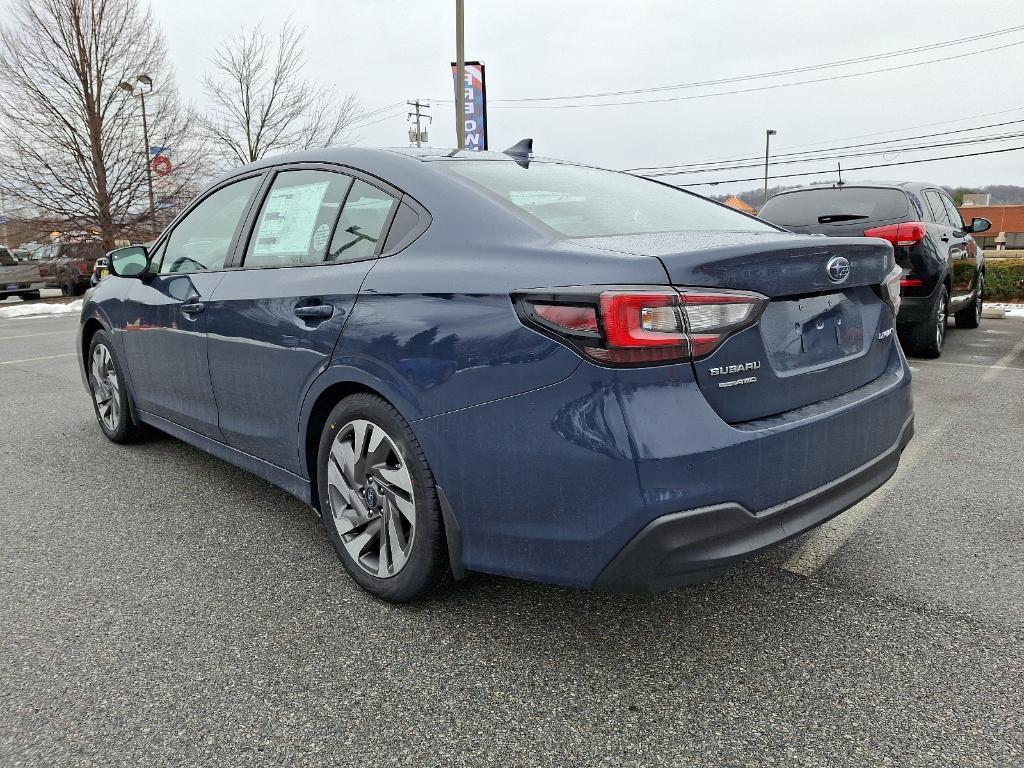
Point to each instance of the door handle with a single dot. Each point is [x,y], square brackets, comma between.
[193,307]
[314,311]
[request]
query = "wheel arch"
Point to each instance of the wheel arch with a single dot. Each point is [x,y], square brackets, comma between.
[337,383]
[326,391]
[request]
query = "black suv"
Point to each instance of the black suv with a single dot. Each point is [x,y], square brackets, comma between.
[943,268]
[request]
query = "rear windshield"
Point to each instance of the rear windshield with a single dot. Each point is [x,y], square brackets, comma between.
[578,201]
[834,205]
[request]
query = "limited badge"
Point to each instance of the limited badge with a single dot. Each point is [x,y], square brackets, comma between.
[320,237]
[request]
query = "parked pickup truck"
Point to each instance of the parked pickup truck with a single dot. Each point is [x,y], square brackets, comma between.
[71,266]
[18,277]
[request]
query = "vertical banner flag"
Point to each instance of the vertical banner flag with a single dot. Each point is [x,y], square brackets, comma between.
[476,104]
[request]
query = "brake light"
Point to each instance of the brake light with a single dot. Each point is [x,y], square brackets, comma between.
[911,282]
[84,268]
[641,327]
[905,233]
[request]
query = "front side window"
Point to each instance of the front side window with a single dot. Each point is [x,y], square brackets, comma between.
[367,210]
[297,218]
[578,201]
[203,238]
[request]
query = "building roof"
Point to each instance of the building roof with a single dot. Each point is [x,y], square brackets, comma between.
[739,205]
[1004,218]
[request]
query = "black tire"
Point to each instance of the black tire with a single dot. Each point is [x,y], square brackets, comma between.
[68,287]
[970,316]
[927,339]
[426,567]
[121,428]
[29,295]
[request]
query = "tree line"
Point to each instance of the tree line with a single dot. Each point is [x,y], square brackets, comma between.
[72,147]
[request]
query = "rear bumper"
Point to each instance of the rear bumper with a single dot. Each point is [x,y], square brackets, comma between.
[695,544]
[916,309]
[554,484]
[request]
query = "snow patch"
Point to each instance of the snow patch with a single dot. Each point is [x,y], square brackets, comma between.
[32,310]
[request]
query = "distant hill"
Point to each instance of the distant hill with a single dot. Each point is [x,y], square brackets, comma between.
[1002,194]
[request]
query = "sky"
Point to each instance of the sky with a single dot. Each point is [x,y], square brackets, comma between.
[389,51]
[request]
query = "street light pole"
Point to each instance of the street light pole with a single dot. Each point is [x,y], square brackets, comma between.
[767,141]
[460,77]
[145,80]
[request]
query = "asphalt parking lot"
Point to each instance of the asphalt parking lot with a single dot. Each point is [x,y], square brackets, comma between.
[160,607]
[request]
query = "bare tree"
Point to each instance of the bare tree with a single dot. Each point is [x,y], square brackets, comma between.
[261,103]
[71,145]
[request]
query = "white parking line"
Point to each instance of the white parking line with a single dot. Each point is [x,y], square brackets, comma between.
[33,359]
[830,537]
[969,365]
[29,335]
[1001,363]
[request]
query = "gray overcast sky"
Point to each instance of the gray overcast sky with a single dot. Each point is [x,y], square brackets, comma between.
[392,50]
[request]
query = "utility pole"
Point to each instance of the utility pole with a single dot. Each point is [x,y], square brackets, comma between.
[145,80]
[418,135]
[460,76]
[767,139]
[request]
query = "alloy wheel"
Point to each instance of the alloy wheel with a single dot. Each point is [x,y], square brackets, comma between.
[105,389]
[979,302]
[371,498]
[940,323]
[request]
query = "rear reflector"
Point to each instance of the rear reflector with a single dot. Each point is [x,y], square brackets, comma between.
[567,317]
[905,233]
[640,327]
[910,282]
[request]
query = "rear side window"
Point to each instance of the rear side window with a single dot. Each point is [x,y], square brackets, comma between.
[938,210]
[578,201]
[953,213]
[297,218]
[835,205]
[367,211]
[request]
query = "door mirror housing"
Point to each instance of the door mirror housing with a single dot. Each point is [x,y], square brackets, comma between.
[979,224]
[132,261]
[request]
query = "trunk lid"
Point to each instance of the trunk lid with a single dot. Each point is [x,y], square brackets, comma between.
[817,337]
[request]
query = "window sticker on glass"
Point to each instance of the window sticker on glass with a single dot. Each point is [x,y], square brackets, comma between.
[288,218]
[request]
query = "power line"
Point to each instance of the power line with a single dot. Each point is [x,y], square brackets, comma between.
[756,89]
[727,158]
[858,168]
[896,150]
[700,166]
[383,119]
[367,115]
[776,73]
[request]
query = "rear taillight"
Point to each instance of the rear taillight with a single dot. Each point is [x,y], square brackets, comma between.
[640,327]
[905,233]
[891,288]
[84,268]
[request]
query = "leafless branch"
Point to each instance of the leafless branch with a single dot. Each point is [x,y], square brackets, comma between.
[260,102]
[71,141]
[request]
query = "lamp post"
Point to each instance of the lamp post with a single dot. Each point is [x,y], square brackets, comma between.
[767,141]
[145,86]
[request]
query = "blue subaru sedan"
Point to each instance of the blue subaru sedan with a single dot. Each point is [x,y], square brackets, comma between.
[484,361]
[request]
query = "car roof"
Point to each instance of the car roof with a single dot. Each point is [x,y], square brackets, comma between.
[913,186]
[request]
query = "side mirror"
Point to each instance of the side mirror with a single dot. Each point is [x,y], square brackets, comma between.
[979,225]
[129,262]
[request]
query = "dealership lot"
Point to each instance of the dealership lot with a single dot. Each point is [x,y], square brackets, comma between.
[161,607]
